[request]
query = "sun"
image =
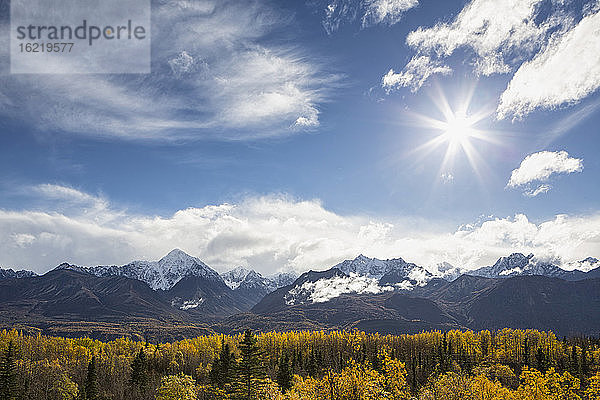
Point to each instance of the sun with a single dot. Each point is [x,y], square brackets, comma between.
[458,129]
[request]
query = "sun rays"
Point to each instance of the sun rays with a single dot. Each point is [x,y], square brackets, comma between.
[457,130]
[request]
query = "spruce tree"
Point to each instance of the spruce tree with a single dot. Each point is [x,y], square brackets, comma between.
[223,368]
[91,382]
[284,374]
[251,375]
[139,370]
[8,375]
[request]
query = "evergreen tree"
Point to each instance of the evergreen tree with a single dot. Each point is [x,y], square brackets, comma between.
[139,370]
[574,365]
[311,365]
[526,352]
[91,382]
[584,363]
[8,375]
[284,374]
[251,375]
[223,368]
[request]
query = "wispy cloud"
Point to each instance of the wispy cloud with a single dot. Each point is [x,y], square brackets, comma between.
[214,75]
[544,188]
[414,75]
[274,232]
[369,12]
[539,167]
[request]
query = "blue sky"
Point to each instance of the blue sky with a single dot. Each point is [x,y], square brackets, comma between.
[291,135]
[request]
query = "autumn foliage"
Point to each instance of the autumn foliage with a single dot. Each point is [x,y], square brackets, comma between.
[508,364]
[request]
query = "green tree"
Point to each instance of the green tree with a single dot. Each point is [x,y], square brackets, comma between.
[177,387]
[8,375]
[91,382]
[251,376]
[284,374]
[223,368]
[139,370]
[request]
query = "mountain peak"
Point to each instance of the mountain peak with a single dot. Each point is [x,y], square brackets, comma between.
[162,274]
[177,254]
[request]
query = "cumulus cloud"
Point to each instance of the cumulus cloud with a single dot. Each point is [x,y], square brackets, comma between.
[494,31]
[536,38]
[566,71]
[214,75]
[539,167]
[326,289]
[276,233]
[414,75]
[369,12]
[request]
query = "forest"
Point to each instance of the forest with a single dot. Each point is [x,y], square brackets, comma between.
[337,365]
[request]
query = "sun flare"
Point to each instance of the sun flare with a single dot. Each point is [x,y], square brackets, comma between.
[457,131]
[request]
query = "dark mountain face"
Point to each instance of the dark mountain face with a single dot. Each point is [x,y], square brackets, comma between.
[567,308]
[206,298]
[81,296]
[390,296]
[531,301]
[276,301]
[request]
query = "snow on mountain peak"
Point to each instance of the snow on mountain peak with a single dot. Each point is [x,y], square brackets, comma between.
[585,265]
[162,274]
[518,264]
[389,271]
[249,278]
[235,277]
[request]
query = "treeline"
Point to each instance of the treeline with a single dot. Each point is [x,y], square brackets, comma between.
[508,364]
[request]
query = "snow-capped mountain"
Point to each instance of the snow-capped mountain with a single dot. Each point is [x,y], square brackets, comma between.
[518,264]
[243,277]
[10,273]
[162,274]
[387,272]
[448,271]
[585,265]
[362,275]
[235,277]
[251,285]
[282,279]
[325,289]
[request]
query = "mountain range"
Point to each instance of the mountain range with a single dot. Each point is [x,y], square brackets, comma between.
[179,295]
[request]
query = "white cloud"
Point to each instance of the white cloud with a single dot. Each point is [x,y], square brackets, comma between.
[385,11]
[276,232]
[69,195]
[213,75]
[326,289]
[495,31]
[370,12]
[539,167]
[544,188]
[447,177]
[566,71]
[537,39]
[414,75]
